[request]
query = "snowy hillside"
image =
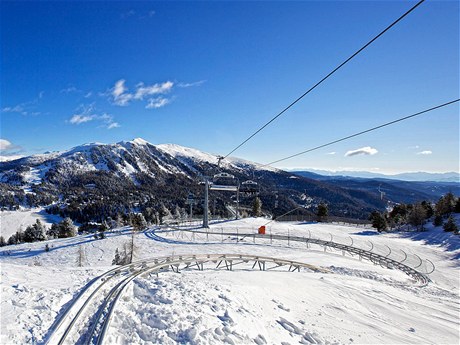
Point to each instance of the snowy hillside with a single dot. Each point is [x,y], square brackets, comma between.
[352,302]
[187,155]
[125,158]
[12,221]
[128,173]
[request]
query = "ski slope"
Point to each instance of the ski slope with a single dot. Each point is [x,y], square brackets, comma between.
[356,303]
[12,221]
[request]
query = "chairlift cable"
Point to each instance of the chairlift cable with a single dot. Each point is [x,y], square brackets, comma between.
[326,77]
[362,132]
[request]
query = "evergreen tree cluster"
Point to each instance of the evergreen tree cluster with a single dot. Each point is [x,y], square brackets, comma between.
[38,232]
[419,214]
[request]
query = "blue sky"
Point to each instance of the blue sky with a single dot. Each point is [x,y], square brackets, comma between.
[208,74]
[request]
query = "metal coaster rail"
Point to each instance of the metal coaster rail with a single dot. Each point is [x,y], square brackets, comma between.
[375,258]
[80,315]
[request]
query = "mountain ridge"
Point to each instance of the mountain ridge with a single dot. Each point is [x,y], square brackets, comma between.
[419,176]
[130,176]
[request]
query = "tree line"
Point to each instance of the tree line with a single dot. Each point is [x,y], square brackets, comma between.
[418,214]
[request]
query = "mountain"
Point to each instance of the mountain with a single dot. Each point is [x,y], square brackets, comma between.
[94,181]
[410,176]
[390,189]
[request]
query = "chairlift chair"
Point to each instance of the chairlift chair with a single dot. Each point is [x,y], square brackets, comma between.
[224,182]
[249,188]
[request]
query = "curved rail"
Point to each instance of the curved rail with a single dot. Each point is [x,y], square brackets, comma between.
[104,302]
[384,261]
[73,312]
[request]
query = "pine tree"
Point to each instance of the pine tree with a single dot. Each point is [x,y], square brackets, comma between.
[53,232]
[67,229]
[450,225]
[322,212]
[450,202]
[378,221]
[437,221]
[257,207]
[399,213]
[117,259]
[12,240]
[2,241]
[417,216]
[445,205]
[138,221]
[35,232]
[428,208]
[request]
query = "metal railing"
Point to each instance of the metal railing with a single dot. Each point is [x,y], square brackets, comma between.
[384,256]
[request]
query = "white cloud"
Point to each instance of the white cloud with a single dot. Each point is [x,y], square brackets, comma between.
[426,152]
[7,148]
[87,113]
[155,103]
[196,83]
[119,88]
[108,121]
[25,108]
[367,150]
[78,119]
[122,97]
[5,144]
[331,153]
[16,109]
[137,15]
[128,14]
[154,89]
[113,125]
[70,89]
[118,93]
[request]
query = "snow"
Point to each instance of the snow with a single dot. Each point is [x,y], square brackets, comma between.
[184,154]
[12,221]
[9,158]
[179,152]
[140,141]
[250,307]
[357,302]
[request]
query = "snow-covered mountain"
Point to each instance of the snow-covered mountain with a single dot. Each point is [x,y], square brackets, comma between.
[127,175]
[126,158]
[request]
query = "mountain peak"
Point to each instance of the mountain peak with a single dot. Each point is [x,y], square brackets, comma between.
[140,141]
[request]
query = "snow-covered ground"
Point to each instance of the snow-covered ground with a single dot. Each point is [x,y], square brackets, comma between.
[357,302]
[12,221]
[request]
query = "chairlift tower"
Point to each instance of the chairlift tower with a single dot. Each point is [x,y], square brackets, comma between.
[206,204]
[191,201]
[225,182]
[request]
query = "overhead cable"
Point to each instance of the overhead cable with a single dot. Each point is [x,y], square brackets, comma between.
[363,132]
[326,77]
